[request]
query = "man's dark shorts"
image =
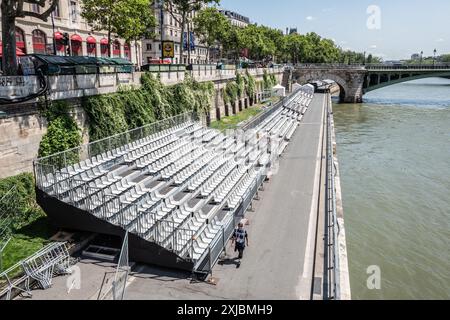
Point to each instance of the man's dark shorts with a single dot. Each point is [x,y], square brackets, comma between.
[240,248]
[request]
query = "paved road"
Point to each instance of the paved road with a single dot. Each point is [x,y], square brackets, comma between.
[278,262]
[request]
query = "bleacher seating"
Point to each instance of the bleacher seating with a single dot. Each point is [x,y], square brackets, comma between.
[176,181]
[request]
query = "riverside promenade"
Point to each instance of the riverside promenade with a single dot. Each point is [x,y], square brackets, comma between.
[285,229]
[278,264]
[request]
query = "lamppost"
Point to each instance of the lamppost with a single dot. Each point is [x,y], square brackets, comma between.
[161,25]
[54,38]
[434,58]
[364,62]
[421,57]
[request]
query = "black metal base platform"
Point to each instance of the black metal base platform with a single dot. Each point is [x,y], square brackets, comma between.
[64,215]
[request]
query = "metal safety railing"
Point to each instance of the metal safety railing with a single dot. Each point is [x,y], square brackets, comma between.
[123,270]
[114,284]
[46,168]
[416,67]
[218,245]
[7,208]
[332,225]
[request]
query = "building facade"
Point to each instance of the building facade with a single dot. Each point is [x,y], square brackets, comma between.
[36,36]
[171,31]
[235,18]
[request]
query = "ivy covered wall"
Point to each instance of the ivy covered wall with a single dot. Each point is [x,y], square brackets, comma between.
[132,108]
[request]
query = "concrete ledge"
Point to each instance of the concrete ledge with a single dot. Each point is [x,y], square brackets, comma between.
[342,242]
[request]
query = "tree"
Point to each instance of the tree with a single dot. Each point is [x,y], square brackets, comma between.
[295,44]
[185,8]
[232,42]
[129,19]
[12,9]
[211,27]
[138,20]
[445,58]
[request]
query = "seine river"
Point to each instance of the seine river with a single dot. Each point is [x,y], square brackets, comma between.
[394,155]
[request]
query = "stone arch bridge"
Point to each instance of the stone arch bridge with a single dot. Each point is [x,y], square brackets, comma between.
[356,80]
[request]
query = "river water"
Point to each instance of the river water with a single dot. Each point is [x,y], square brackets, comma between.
[394,155]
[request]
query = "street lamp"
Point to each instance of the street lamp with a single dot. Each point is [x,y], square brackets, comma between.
[421,57]
[54,38]
[434,58]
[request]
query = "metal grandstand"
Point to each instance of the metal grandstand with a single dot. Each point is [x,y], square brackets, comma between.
[178,187]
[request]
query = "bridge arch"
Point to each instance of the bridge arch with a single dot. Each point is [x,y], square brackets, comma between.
[356,80]
[343,84]
[392,79]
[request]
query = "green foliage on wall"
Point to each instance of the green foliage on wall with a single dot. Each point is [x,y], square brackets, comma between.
[242,86]
[20,205]
[132,108]
[63,132]
[269,80]
[250,85]
[240,82]
[273,80]
[231,92]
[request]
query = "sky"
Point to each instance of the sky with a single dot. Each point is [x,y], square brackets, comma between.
[391,29]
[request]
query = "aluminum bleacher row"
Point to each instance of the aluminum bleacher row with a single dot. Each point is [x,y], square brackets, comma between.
[181,187]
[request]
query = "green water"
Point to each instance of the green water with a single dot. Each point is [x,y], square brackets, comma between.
[394,154]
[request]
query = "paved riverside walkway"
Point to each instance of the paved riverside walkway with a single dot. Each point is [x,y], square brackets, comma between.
[277,265]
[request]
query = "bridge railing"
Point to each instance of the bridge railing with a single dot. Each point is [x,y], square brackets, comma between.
[440,66]
[329,66]
[378,66]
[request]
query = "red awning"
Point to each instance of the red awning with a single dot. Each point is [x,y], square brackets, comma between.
[104,41]
[91,40]
[76,37]
[58,36]
[18,51]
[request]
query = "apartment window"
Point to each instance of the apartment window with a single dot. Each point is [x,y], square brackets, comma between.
[20,40]
[35,8]
[57,13]
[39,41]
[73,11]
[149,47]
[127,51]
[171,33]
[116,49]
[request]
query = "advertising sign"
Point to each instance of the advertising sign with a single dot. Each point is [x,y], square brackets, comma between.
[168,49]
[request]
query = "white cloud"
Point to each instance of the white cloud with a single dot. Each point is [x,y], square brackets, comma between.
[381,55]
[440,40]
[344,42]
[374,46]
[310,18]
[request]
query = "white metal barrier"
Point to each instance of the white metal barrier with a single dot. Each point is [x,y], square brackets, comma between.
[53,259]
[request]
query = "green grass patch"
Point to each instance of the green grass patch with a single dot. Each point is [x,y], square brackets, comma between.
[28,226]
[26,241]
[232,122]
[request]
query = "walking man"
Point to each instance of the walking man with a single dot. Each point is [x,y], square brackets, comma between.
[240,236]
